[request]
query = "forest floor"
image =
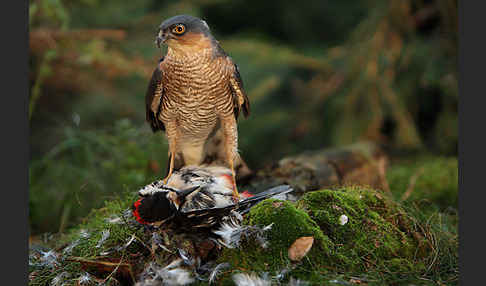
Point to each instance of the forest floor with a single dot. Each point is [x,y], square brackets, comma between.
[372,221]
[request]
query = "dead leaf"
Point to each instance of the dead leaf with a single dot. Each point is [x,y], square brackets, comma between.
[377,243]
[356,281]
[300,247]
[102,268]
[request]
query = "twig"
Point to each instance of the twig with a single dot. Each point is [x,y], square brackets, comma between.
[141,241]
[118,265]
[411,185]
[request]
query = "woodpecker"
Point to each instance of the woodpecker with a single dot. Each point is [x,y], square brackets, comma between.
[195,197]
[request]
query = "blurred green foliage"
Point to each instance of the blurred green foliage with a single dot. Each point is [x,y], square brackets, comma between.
[318,73]
[426,180]
[88,167]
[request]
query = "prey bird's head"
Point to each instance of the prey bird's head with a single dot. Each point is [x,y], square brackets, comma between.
[158,203]
[184,32]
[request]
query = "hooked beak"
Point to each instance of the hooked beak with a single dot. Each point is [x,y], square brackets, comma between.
[161,38]
[184,193]
[178,198]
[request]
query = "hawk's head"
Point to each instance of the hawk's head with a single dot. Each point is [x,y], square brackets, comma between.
[184,32]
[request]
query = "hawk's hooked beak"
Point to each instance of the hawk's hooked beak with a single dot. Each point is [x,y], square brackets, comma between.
[161,38]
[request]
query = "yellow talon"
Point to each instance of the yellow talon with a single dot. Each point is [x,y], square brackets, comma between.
[171,168]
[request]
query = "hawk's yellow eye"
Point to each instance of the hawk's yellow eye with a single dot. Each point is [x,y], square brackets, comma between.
[179,29]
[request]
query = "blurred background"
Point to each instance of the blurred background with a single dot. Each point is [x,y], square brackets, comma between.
[318,74]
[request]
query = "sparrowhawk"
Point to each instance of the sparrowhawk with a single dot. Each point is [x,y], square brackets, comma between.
[195,96]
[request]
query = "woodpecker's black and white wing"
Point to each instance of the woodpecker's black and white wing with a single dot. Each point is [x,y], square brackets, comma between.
[204,218]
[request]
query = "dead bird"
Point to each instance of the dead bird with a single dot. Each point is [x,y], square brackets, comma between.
[195,197]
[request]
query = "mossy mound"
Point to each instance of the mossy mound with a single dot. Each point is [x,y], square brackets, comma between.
[377,235]
[368,229]
[432,179]
[288,224]
[105,235]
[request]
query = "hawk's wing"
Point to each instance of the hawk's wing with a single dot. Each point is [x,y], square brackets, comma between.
[240,100]
[153,99]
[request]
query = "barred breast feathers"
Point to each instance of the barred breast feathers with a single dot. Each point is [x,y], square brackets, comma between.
[195,87]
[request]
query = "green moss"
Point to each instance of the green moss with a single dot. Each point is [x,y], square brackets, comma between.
[86,247]
[375,230]
[436,180]
[288,224]
[379,238]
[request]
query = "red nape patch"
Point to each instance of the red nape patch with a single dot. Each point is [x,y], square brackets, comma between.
[135,212]
[246,194]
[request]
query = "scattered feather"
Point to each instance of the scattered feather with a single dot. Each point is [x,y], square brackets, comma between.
[119,247]
[76,118]
[231,232]
[114,220]
[32,259]
[268,227]
[127,213]
[174,264]
[216,271]
[85,279]
[297,282]
[157,241]
[282,273]
[70,247]
[176,276]
[185,257]
[84,233]
[49,258]
[340,282]
[129,241]
[244,279]
[156,238]
[104,236]
[170,275]
[59,279]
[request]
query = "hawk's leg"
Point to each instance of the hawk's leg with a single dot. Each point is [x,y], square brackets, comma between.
[171,167]
[231,148]
[171,131]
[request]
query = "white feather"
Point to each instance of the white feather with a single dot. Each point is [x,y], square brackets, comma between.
[59,279]
[150,189]
[216,271]
[49,258]
[104,236]
[244,279]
